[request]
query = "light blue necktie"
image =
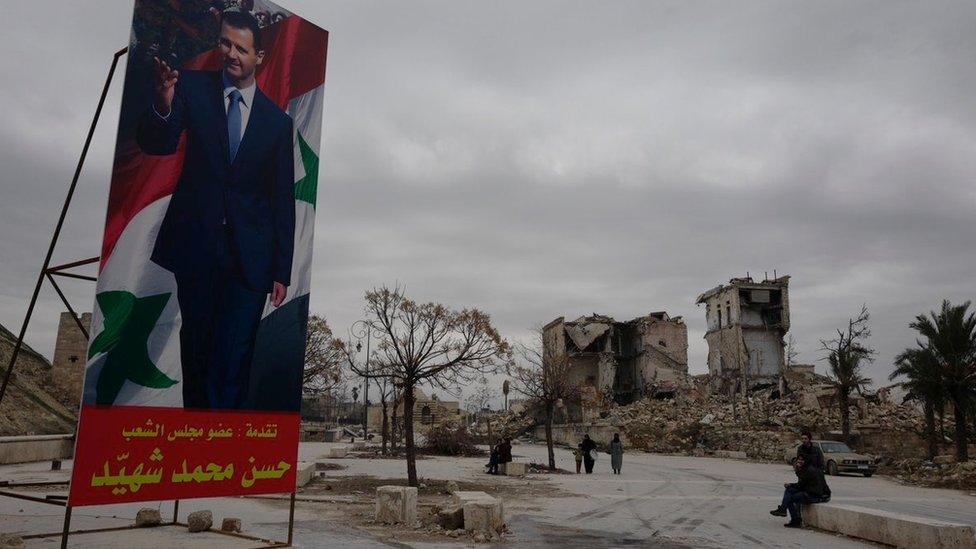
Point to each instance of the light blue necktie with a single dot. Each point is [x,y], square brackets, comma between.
[234,123]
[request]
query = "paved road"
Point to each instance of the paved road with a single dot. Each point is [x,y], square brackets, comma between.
[716,502]
[658,501]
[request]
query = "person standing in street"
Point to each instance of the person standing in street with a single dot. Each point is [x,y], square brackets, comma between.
[809,451]
[578,455]
[616,454]
[589,453]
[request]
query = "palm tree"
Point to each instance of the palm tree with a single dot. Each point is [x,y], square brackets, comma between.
[924,384]
[950,334]
[846,354]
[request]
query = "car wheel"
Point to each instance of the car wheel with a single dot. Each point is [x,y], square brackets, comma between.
[831,468]
[866,475]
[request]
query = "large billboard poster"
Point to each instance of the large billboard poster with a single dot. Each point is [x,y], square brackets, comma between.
[193,379]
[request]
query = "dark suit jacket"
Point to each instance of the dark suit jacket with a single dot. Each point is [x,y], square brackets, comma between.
[255,194]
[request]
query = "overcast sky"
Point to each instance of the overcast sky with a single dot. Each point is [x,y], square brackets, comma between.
[544,159]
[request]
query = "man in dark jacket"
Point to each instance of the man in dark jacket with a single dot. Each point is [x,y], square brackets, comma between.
[229,230]
[588,447]
[505,451]
[810,487]
[811,452]
[494,459]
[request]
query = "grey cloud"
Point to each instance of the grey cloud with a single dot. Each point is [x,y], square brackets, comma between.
[561,158]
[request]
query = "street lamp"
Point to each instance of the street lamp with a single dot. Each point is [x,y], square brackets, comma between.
[359,330]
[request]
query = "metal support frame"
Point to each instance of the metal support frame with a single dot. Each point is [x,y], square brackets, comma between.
[49,272]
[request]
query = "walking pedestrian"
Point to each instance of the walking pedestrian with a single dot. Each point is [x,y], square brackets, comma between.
[616,454]
[589,453]
[578,455]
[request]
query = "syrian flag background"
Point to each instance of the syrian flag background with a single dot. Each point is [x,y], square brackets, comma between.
[292,75]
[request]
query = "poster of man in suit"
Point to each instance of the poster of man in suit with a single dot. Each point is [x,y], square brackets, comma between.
[201,303]
[228,233]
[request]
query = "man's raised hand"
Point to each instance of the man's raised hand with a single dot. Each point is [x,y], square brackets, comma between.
[165,83]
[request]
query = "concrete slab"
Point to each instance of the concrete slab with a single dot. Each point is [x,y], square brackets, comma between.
[460,497]
[304,474]
[396,505]
[513,468]
[26,449]
[484,515]
[903,531]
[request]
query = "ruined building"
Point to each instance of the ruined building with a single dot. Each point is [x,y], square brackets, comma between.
[746,322]
[621,360]
[70,351]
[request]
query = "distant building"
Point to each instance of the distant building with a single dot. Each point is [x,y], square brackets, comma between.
[70,352]
[746,323]
[426,410]
[621,360]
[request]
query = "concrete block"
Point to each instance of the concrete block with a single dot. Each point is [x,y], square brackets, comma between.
[304,474]
[460,497]
[338,452]
[230,524]
[396,504]
[903,531]
[29,448]
[333,435]
[484,515]
[199,521]
[513,468]
[147,516]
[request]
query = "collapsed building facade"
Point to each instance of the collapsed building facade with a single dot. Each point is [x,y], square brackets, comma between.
[746,324]
[621,361]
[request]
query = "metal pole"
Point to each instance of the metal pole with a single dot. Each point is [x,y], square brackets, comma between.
[71,310]
[176,511]
[64,529]
[291,519]
[57,228]
[366,386]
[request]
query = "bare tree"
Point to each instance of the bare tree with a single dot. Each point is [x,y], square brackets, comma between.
[324,355]
[791,353]
[542,376]
[428,344]
[479,402]
[846,353]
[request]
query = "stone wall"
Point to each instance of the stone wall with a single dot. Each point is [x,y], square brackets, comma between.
[572,433]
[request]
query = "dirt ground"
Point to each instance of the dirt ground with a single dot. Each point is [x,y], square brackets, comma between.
[356,496]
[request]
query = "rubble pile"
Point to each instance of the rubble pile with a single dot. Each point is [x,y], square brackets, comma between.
[763,425]
[448,437]
[946,475]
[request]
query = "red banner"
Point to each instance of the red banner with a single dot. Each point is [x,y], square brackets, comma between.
[139,453]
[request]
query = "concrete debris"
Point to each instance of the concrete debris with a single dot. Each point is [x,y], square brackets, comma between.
[697,422]
[199,521]
[951,475]
[230,524]
[147,516]
[10,541]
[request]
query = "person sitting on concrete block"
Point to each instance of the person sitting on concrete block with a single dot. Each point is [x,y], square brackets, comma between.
[810,487]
